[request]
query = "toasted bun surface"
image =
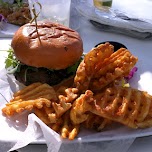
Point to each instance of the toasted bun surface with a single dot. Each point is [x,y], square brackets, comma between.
[54,47]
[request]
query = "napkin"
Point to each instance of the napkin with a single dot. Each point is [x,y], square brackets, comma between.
[126,17]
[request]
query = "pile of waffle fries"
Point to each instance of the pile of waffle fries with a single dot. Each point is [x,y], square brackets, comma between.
[94,99]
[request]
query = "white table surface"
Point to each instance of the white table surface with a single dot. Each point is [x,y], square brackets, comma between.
[91,36]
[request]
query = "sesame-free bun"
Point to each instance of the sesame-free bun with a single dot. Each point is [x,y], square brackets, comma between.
[54,46]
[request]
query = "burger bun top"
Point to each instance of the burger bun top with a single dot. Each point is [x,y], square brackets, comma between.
[50,45]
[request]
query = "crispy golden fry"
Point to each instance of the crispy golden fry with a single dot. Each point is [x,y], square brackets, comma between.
[105,123]
[146,123]
[34,95]
[96,122]
[74,132]
[128,106]
[116,66]
[97,70]
[69,130]
[61,108]
[46,114]
[67,94]
[82,79]
[41,114]
[97,55]
[10,110]
[62,125]
[57,126]
[86,69]
[51,114]
[35,91]
[80,107]
[27,89]
[65,128]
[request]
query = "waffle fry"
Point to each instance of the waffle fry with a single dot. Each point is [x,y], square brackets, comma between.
[67,94]
[82,80]
[97,70]
[52,113]
[10,110]
[27,89]
[34,95]
[80,107]
[35,91]
[40,113]
[65,128]
[86,69]
[57,126]
[46,114]
[69,130]
[61,108]
[96,122]
[128,106]
[97,55]
[116,66]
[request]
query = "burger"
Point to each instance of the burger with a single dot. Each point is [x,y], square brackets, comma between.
[44,52]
